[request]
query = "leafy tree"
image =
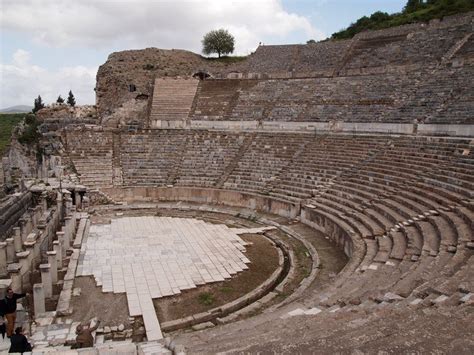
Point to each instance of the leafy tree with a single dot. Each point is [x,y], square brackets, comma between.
[311,41]
[38,104]
[60,100]
[413,5]
[218,41]
[71,101]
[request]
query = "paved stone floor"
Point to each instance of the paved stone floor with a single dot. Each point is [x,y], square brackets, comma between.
[152,257]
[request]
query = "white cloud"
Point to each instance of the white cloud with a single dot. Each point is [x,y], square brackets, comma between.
[23,81]
[145,23]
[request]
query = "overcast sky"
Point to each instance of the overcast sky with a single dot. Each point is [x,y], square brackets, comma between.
[49,47]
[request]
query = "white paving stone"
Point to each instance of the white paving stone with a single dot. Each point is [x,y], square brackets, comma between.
[152,257]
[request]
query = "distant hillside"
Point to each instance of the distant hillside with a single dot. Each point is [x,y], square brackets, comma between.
[414,11]
[7,123]
[17,109]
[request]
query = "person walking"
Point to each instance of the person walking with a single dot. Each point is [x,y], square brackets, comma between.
[19,343]
[8,308]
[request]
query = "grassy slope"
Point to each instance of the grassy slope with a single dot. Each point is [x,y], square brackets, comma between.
[7,122]
[427,12]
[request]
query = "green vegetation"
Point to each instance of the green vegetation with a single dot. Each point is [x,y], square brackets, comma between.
[414,11]
[7,122]
[218,41]
[38,105]
[71,101]
[226,289]
[30,134]
[206,298]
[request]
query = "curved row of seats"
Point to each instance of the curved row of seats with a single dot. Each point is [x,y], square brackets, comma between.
[406,202]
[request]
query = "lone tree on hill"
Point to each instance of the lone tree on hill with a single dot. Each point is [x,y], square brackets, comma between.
[218,41]
[38,104]
[71,101]
[60,100]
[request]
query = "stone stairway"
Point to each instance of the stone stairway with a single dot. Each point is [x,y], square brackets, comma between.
[116,163]
[172,100]
[230,168]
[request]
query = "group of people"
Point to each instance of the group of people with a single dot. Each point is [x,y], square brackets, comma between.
[19,343]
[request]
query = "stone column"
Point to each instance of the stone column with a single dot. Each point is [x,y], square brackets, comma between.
[23,260]
[46,280]
[54,266]
[10,250]
[23,228]
[30,247]
[68,231]
[29,222]
[38,213]
[4,284]
[59,203]
[38,299]
[78,199]
[18,243]
[15,273]
[44,201]
[58,250]
[62,242]
[3,259]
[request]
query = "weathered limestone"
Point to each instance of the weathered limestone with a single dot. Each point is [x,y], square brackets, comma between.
[59,254]
[62,242]
[3,259]
[14,270]
[24,260]
[17,240]
[46,280]
[54,266]
[10,250]
[39,299]
[4,284]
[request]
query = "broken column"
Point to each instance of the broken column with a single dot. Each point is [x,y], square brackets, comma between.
[46,280]
[59,258]
[38,299]
[44,201]
[4,284]
[23,229]
[78,200]
[62,242]
[68,231]
[23,260]
[18,243]
[3,259]
[14,270]
[54,266]
[10,250]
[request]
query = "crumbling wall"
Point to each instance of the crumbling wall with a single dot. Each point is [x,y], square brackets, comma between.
[11,209]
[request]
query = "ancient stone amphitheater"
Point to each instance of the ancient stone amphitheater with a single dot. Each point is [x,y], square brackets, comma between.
[368,143]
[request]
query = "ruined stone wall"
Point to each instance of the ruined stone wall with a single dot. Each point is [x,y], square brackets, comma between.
[11,209]
[125,82]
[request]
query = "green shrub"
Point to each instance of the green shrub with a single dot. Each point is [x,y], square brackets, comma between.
[206,298]
[8,121]
[414,11]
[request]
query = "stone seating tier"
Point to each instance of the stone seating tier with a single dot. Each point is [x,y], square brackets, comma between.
[407,200]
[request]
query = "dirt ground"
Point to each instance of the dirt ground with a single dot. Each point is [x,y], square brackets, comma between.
[113,310]
[110,308]
[264,261]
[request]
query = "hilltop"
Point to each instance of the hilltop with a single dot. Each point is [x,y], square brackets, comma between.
[413,12]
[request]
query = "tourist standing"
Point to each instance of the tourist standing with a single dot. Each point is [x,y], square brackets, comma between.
[8,308]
